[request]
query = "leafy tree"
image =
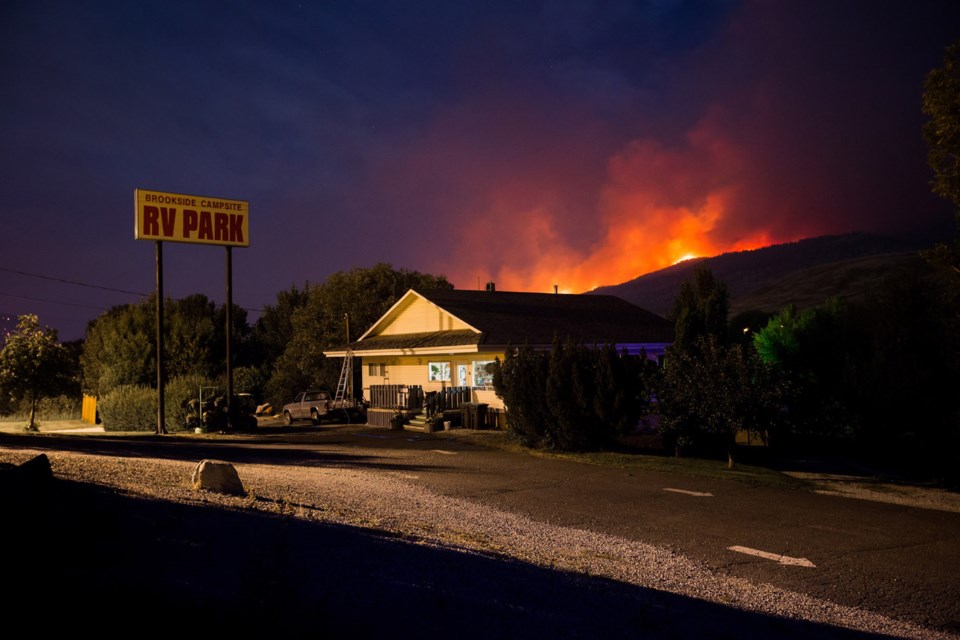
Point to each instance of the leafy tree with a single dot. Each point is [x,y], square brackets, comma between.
[33,364]
[941,102]
[190,327]
[709,394]
[120,345]
[120,349]
[244,351]
[700,309]
[361,295]
[272,334]
[273,331]
[74,373]
[249,380]
[814,349]
[712,386]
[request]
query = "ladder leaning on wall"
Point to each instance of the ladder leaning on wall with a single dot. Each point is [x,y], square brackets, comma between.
[346,380]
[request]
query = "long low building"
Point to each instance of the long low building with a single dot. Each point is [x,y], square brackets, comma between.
[444,341]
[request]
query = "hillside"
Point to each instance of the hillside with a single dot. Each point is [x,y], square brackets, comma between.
[854,279]
[804,273]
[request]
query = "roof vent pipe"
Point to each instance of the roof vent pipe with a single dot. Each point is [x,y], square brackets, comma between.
[556,289]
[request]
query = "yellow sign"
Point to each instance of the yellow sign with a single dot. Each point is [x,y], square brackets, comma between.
[175,217]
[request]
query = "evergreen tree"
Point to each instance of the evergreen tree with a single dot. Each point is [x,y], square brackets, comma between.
[520,380]
[573,398]
[569,396]
[700,309]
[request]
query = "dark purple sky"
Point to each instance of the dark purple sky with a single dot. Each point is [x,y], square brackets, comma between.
[570,143]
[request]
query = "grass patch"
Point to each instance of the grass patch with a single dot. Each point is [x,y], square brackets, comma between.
[697,467]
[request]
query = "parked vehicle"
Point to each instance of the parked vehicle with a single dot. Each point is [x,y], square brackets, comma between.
[319,405]
[309,405]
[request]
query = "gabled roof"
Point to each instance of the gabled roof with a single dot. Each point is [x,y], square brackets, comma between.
[497,319]
[507,317]
[422,340]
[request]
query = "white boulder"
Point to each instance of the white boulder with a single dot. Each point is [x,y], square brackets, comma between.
[215,475]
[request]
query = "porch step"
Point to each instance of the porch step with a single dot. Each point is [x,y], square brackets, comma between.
[417,423]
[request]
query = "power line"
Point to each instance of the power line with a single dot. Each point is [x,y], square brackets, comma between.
[75,282]
[68,304]
[82,284]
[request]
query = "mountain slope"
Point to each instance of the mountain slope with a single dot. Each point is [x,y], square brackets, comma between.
[763,276]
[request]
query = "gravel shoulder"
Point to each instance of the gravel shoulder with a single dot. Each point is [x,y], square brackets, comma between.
[851,483]
[385,503]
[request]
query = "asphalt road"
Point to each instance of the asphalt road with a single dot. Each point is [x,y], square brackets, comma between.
[900,561]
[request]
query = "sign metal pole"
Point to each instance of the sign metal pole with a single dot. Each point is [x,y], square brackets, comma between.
[229,333]
[161,424]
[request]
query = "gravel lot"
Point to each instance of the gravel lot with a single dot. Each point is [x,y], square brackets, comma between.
[386,502]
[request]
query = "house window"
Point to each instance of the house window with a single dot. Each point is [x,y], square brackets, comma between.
[483,373]
[438,371]
[377,369]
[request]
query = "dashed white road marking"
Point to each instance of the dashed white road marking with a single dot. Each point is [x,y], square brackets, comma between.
[696,494]
[766,555]
[446,453]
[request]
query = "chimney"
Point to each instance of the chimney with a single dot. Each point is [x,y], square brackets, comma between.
[556,289]
[491,286]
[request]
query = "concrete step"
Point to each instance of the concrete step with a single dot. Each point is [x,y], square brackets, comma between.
[418,422]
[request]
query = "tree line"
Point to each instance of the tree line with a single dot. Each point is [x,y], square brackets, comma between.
[876,378]
[276,356]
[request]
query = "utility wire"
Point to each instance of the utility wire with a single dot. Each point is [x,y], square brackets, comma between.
[81,284]
[65,281]
[69,304]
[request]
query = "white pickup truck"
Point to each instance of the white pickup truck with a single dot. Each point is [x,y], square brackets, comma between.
[318,405]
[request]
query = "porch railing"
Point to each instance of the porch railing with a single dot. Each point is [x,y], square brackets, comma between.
[446,399]
[412,397]
[396,396]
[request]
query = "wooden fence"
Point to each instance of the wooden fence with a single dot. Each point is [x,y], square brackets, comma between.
[402,397]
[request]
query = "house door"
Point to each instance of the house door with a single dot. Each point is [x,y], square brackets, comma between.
[462,374]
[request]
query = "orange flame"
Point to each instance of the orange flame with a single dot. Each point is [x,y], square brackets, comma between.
[658,207]
[659,238]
